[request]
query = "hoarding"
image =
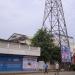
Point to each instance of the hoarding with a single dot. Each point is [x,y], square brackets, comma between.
[30,63]
[65,54]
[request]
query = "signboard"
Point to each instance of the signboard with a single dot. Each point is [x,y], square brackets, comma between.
[65,54]
[29,63]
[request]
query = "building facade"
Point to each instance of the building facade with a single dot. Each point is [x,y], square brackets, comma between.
[16,56]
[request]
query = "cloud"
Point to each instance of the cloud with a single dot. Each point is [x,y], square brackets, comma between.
[23,16]
[26,16]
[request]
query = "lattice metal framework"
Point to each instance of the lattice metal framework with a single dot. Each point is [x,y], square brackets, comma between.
[54,21]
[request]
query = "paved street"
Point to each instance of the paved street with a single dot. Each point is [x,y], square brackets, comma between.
[50,73]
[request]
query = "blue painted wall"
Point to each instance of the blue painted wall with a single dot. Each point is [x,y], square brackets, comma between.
[10,62]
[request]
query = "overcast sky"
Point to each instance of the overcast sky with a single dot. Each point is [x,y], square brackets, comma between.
[26,16]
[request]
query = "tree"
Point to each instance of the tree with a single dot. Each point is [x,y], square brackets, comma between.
[56,54]
[44,40]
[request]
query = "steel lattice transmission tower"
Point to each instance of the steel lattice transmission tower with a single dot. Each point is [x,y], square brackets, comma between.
[54,21]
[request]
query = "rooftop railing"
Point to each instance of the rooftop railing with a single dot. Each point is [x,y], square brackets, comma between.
[16,46]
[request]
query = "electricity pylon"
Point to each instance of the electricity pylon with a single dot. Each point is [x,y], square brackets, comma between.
[54,21]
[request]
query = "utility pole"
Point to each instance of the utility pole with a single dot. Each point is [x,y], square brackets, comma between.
[54,21]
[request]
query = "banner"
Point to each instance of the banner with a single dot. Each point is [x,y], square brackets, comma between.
[29,63]
[65,54]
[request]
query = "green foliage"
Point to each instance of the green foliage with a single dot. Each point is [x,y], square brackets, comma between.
[44,40]
[55,54]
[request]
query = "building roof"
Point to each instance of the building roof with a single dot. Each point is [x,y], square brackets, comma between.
[4,40]
[17,38]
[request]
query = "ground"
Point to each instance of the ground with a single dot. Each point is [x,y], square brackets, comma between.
[49,73]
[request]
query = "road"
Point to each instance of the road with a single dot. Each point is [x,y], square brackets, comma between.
[49,73]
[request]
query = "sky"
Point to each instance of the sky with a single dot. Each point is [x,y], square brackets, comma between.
[26,16]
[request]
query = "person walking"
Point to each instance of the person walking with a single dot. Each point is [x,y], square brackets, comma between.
[57,68]
[45,68]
